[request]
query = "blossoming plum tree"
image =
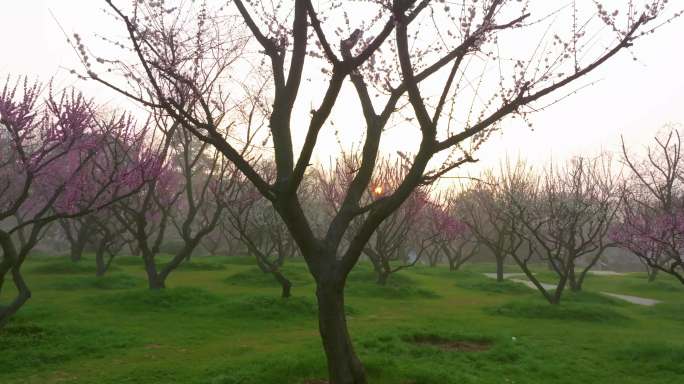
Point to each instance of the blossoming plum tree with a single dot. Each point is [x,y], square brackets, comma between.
[57,161]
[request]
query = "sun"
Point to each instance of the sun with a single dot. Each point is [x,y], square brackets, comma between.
[378,190]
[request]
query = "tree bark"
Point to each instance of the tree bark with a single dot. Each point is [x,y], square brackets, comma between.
[499,268]
[382,277]
[23,295]
[560,287]
[344,367]
[285,284]
[575,284]
[101,266]
[155,280]
[5,267]
[156,283]
[77,248]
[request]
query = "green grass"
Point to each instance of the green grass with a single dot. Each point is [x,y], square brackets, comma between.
[201,266]
[478,282]
[107,282]
[362,283]
[26,345]
[565,311]
[228,325]
[254,277]
[63,266]
[145,300]
[652,358]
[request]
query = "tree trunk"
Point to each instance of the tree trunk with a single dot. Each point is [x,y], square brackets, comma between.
[499,268]
[556,299]
[101,266]
[23,295]
[382,277]
[77,248]
[652,274]
[344,367]
[5,267]
[452,264]
[155,280]
[433,260]
[156,283]
[575,284]
[285,284]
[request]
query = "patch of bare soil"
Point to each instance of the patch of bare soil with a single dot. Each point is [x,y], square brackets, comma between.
[452,345]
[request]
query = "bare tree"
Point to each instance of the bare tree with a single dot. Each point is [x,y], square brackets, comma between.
[652,218]
[192,177]
[182,69]
[257,225]
[487,208]
[566,215]
[389,244]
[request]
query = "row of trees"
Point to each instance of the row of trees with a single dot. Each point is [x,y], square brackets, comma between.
[565,216]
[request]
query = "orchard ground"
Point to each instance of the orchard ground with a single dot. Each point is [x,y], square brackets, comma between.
[221,321]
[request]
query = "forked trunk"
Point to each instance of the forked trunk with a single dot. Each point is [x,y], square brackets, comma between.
[575,283]
[155,280]
[156,283]
[344,367]
[452,264]
[560,287]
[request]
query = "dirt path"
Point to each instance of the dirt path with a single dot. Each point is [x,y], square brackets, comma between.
[631,299]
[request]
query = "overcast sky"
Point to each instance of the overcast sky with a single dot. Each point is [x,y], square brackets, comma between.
[631,98]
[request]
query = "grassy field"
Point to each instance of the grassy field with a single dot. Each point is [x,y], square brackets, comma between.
[222,322]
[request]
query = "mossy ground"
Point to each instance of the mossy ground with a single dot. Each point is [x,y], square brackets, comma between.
[227,325]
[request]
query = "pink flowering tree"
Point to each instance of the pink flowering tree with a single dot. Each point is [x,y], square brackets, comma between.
[406,63]
[56,162]
[183,197]
[651,223]
[455,241]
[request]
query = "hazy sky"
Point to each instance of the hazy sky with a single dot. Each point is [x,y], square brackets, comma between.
[631,98]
